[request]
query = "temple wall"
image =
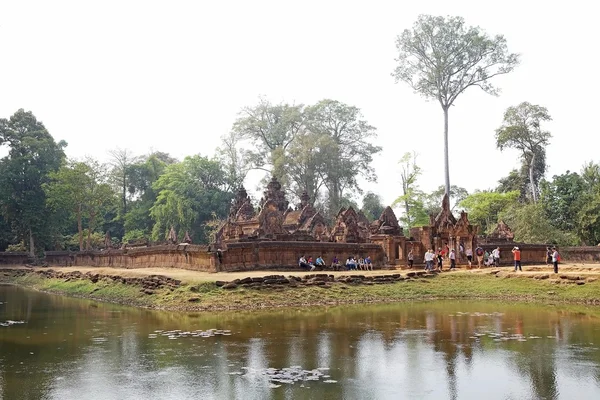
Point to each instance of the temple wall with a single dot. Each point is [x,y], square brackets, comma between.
[530,253]
[191,257]
[277,255]
[590,254]
[274,254]
[13,258]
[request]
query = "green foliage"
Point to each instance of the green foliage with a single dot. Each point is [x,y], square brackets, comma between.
[81,188]
[412,199]
[95,240]
[441,57]
[530,224]
[32,156]
[143,173]
[521,129]
[588,216]
[372,206]
[326,145]
[271,129]
[236,160]
[561,199]
[17,247]
[346,151]
[189,193]
[135,235]
[588,219]
[485,208]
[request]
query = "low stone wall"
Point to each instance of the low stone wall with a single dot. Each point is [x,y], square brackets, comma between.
[192,257]
[243,256]
[265,255]
[530,253]
[589,254]
[13,258]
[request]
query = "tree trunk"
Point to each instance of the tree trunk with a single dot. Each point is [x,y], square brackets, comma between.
[91,227]
[79,227]
[335,198]
[124,193]
[406,205]
[531,182]
[446,163]
[31,245]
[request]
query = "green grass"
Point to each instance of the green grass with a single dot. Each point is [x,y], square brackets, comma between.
[206,296]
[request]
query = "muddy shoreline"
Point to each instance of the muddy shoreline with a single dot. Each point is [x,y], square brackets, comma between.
[162,292]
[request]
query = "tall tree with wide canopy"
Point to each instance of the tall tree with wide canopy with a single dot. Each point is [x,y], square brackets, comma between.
[141,176]
[190,194]
[521,130]
[372,206]
[32,156]
[441,57]
[349,153]
[81,187]
[271,128]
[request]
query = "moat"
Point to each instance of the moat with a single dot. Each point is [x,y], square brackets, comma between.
[53,347]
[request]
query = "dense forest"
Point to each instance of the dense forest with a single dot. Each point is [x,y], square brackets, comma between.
[51,202]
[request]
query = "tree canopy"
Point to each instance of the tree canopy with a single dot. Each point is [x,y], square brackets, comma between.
[521,129]
[440,57]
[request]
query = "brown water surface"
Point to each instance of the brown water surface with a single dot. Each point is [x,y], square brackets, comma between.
[77,349]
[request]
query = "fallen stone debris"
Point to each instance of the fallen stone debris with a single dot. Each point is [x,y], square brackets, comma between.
[322,280]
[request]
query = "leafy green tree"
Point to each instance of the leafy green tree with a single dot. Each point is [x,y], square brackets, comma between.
[32,156]
[588,217]
[484,208]
[520,179]
[307,167]
[346,150]
[441,57]
[271,129]
[530,224]
[82,188]
[412,199]
[190,193]
[121,161]
[561,200]
[142,175]
[372,206]
[236,160]
[521,129]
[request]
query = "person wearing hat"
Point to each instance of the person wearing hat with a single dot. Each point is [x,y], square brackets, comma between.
[517,256]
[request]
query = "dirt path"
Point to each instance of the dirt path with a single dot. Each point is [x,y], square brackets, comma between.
[199,276]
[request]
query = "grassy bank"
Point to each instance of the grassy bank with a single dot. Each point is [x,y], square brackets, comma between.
[205,295]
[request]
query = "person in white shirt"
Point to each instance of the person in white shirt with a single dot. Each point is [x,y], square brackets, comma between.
[555,258]
[303,264]
[429,256]
[452,259]
[469,257]
[496,255]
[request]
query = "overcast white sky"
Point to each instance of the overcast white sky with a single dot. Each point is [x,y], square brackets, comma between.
[172,75]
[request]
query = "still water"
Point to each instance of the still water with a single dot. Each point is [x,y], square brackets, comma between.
[78,349]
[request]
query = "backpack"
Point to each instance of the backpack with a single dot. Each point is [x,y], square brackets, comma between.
[479,251]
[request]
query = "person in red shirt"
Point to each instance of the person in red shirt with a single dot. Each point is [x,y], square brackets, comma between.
[517,256]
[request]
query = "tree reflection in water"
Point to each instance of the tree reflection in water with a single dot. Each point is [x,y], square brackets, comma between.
[74,348]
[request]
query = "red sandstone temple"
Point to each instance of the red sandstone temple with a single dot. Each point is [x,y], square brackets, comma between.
[278,233]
